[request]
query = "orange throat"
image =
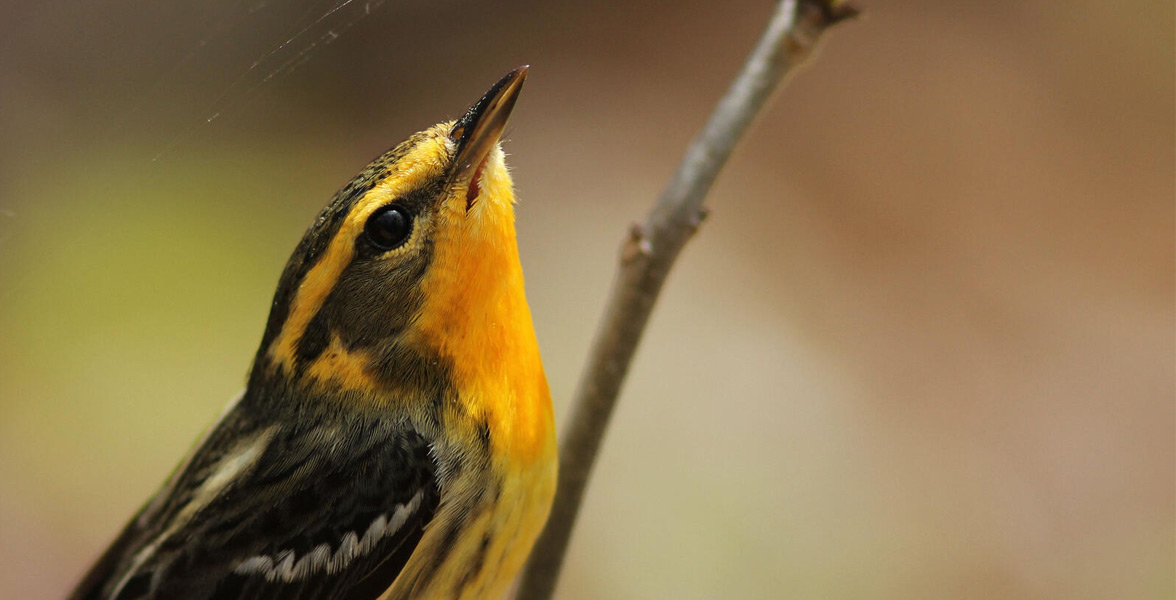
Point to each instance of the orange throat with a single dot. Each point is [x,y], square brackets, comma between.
[476,315]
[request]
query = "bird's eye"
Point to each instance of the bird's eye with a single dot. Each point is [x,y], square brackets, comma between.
[388,227]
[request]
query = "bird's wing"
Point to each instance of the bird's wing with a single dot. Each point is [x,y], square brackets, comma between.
[323,507]
[91,586]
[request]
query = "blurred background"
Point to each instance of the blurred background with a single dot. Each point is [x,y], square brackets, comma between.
[923,347]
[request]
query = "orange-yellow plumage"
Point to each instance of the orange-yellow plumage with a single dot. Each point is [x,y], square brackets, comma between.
[396,438]
[475,314]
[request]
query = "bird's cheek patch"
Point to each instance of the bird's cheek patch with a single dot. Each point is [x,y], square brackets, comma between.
[348,369]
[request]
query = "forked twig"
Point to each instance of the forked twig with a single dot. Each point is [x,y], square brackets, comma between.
[646,258]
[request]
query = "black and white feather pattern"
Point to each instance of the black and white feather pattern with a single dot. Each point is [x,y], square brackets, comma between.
[327,505]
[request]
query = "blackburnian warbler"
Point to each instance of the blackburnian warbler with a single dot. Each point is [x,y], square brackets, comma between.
[395,437]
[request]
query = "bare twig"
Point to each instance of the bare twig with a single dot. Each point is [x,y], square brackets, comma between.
[648,254]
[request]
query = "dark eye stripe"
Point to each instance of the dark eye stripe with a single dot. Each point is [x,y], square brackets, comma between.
[326,226]
[314,339]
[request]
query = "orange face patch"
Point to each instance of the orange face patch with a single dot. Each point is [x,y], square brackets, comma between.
[475,313]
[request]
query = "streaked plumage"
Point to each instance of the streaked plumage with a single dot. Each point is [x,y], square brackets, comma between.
[395,437]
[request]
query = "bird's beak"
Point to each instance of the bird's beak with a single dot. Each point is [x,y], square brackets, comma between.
[478,130]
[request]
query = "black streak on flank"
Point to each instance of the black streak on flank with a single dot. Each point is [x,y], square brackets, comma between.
[484,437]
[478,562]
[443,550]
[496,493]
[451,538]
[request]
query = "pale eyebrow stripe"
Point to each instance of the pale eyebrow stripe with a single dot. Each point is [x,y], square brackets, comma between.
[318,283]
[322,278]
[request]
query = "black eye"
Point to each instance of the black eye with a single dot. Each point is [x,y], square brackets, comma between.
[388,227]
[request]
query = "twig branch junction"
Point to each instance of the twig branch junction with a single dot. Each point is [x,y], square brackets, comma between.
[647,255]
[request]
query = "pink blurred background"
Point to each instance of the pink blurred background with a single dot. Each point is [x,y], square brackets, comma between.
[923,348]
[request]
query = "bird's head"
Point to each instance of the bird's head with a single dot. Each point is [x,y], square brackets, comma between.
[410,277]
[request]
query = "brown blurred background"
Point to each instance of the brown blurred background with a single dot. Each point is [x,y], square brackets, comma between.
[923,348]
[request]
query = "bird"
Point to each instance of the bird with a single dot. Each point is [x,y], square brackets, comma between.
[395,438]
